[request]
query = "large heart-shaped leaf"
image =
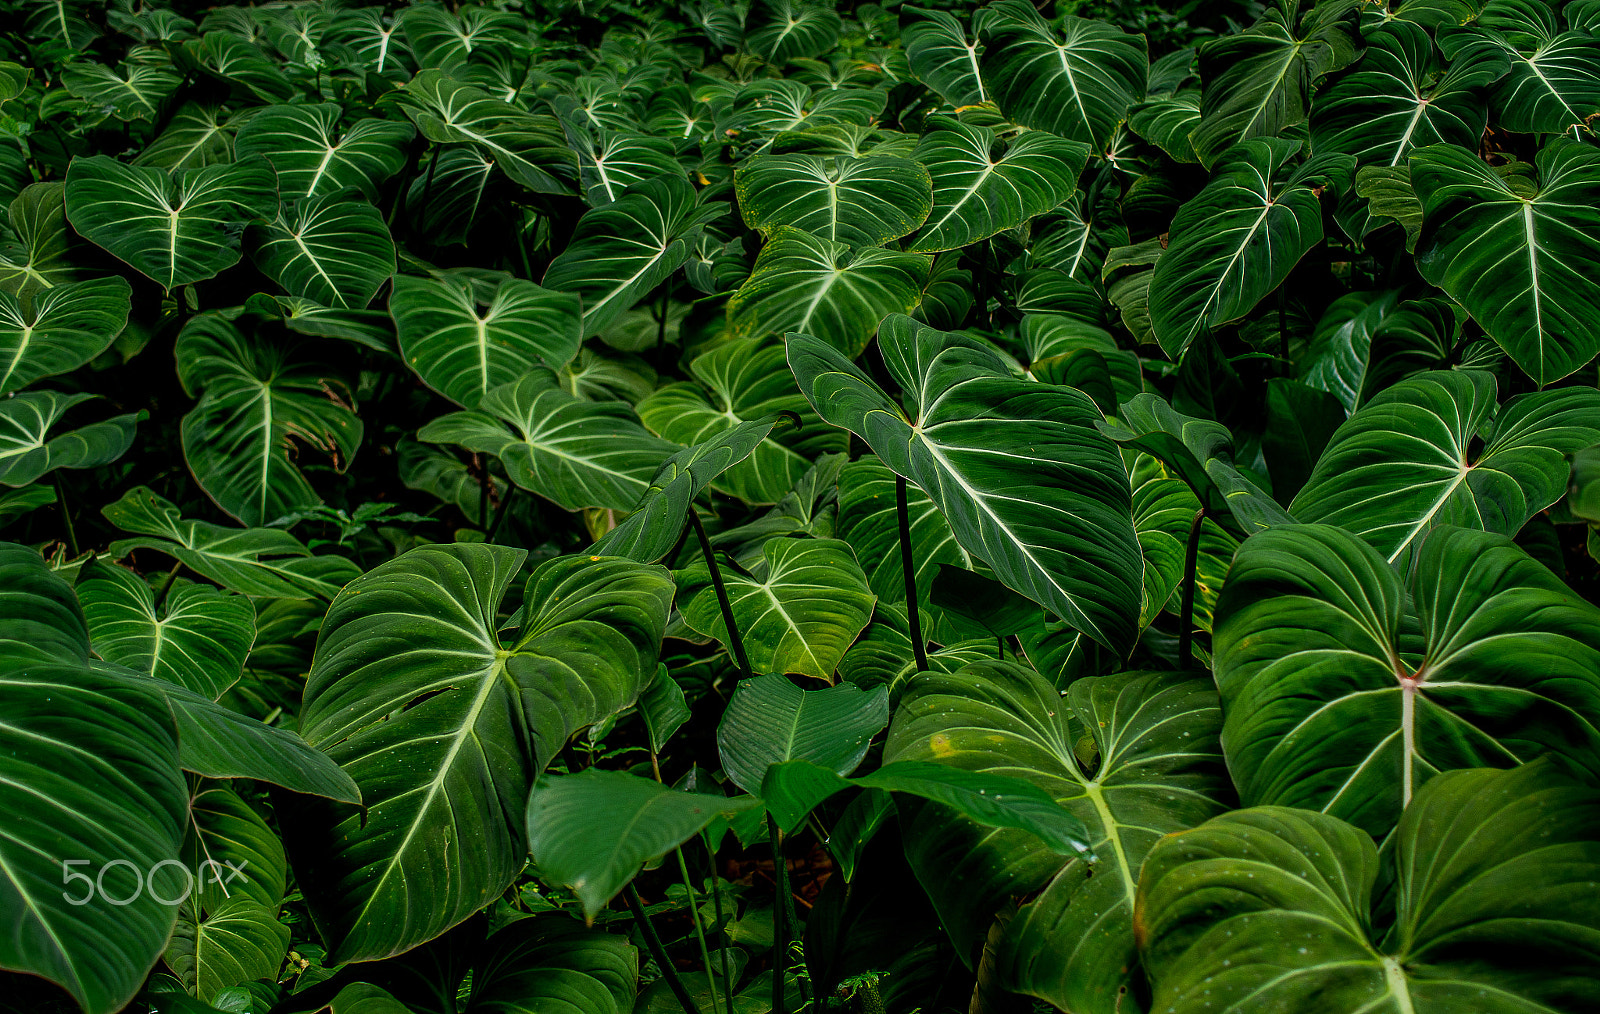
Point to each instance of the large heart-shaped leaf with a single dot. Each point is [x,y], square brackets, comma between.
[175,228]
[621,251]
[577,453]
[198,639]
[618,160]
[1554,81]
[1486,885]
[1524,265]
[331,249]
[314,158]
[90,785]
[238,60]
[746,379]
[446,733]
[1076,82]
[943,55]
[1343,693]
[60,329]
[806,283]
[772,721]
[1260,81]
[195,137]
[1406,461]
[28,450]
[530,149]
[237,941]
[463,350]
[1240,237]
[796,613]
[1027,482]
[256,403]
[977,194]
[857,201]
[137,93]
[1134,756]
[262,562]
[1401,96]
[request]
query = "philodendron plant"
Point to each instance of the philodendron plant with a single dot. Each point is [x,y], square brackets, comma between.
[627,507]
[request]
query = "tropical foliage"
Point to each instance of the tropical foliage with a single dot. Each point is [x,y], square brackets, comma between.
[612,506]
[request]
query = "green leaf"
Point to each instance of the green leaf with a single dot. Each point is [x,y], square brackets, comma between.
[1133,756]
[59,329]
[238,941]
[1259,81]
[331,249]
[943,55]
[619,160]
[88,771]
[15,503]
[621,251]
[771,721]
[550,962]
[747,379]
[1401,96]
[1028,484]
[793,789]
[652,529]
[216,742]
[1345,687]
[797,612]
[136,93]
[1405,462]
[1341,344]
[1167,121]
[224,834]
[1522,264]
[263,562]
[806,283]
[174,228]
[530,149]
[1076,82]
[1240,237]
[1272,906]
[464,351]
[255,404]
[314,158]
[199,640]
[445,730]
[793,28]
[27,450]
[194,138]
[235,60]
[856,201]
[576,453]
[1554,81]
[976,194]
[39,259]
[591,832]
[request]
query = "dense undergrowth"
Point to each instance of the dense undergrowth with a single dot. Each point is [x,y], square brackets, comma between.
[605,507]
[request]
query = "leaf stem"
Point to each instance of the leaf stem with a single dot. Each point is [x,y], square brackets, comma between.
[734,641]
[66,514]
[908,567]
[716,900]
[658,952]
[166,586]
[780,921]
[1191,555]
[700,933]
[501,511]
